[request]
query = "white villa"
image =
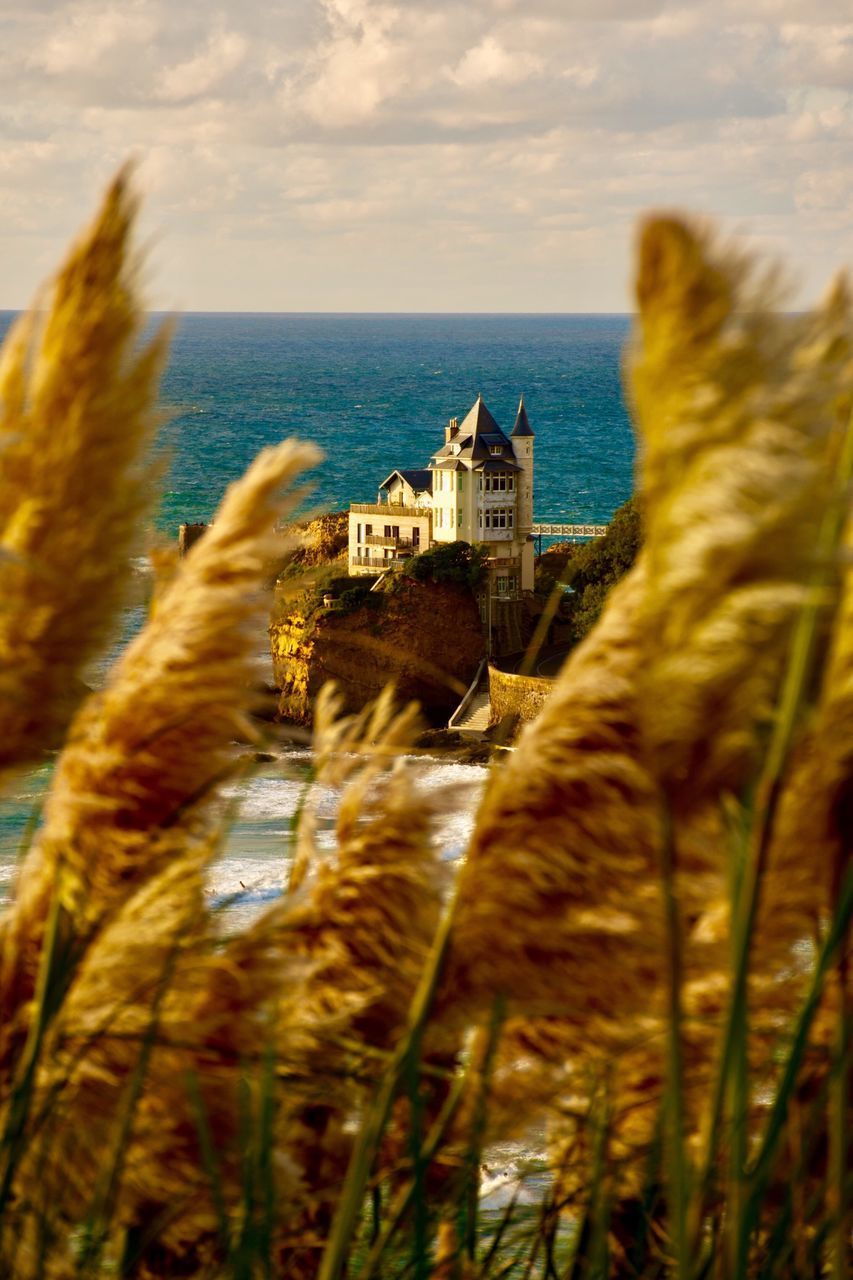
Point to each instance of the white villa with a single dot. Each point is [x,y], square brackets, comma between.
[478,488]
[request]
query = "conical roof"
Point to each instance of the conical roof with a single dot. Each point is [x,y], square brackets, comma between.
[478,421]
[475,436]
[522,425]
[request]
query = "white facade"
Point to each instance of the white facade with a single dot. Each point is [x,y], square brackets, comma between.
[478,488]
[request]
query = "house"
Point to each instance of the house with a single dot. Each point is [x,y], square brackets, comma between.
[478,488]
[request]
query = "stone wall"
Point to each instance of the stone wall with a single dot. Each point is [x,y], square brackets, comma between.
[519,698]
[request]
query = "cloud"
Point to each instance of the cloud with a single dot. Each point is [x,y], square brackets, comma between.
[420,152]
[204,71]
[490,61]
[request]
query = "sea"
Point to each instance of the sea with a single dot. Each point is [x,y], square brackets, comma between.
[374,391]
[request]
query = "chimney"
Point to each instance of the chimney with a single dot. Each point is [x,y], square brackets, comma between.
[450,430]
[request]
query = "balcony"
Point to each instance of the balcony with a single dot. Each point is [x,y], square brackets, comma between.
[387,509]
[372,562]
[389,540]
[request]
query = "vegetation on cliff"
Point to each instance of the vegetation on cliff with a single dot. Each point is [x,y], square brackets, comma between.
[644,952]
[457,562]
[320,541]
[591,569]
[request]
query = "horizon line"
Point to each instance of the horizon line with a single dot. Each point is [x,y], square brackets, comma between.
[193,311]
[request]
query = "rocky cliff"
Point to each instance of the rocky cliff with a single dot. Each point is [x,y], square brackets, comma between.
[425,636]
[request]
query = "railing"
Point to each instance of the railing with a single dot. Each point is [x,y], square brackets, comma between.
[569,530]
[372,562]
[469,696]
[387,509]
[389,540]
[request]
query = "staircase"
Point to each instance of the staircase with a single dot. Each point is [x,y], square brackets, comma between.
[474,711]
[475,718]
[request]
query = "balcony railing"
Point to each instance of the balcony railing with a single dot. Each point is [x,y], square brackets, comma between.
[375,562]
[387,509]
[388,540]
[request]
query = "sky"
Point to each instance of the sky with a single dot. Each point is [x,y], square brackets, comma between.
[423,155]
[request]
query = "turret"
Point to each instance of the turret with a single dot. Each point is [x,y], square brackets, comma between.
[522,443]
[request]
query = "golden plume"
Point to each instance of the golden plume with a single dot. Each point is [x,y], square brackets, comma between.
[660,712]
[77,416]
[144,755]
[738,407]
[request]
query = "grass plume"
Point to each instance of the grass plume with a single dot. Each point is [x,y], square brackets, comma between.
[77,417]
[645,951]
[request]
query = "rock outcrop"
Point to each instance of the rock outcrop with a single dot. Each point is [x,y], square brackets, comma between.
[427,637]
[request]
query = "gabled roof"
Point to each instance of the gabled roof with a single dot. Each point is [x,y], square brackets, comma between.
[476,433]
[522,425]
[419,479]
[498,464]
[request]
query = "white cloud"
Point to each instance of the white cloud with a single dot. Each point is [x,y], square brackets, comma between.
[490,61]
[87,33]
[389,152]
[204,71]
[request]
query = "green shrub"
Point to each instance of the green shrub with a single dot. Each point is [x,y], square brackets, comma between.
[449,562]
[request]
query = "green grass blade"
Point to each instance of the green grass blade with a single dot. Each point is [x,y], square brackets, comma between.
[762,1167]
[370,1134]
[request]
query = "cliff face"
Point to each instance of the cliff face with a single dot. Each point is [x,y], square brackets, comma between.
[424,636]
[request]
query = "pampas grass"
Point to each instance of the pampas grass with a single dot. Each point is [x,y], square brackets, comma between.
[77,391]
[643,955]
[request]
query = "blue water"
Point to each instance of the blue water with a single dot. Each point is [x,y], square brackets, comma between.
[376,390]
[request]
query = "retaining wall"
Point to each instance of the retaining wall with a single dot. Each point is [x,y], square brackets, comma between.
[521,697]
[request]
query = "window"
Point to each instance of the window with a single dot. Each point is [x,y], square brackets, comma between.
[499,518]
[496,450]
[416,536]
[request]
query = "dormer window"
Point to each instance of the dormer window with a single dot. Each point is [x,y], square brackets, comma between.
[496,450]
[454,449]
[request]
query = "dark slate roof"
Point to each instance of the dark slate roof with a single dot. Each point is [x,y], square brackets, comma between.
[476,433]
[522,425]
[497,464]
[420,479]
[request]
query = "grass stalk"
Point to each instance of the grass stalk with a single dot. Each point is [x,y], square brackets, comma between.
[470,1198]
[56,965]
[796,683]
[370,1135]
[759,1173]
[402,1202]
[675,1159]
[95,1230]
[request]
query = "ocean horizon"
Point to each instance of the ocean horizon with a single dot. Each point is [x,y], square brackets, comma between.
[374,391]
